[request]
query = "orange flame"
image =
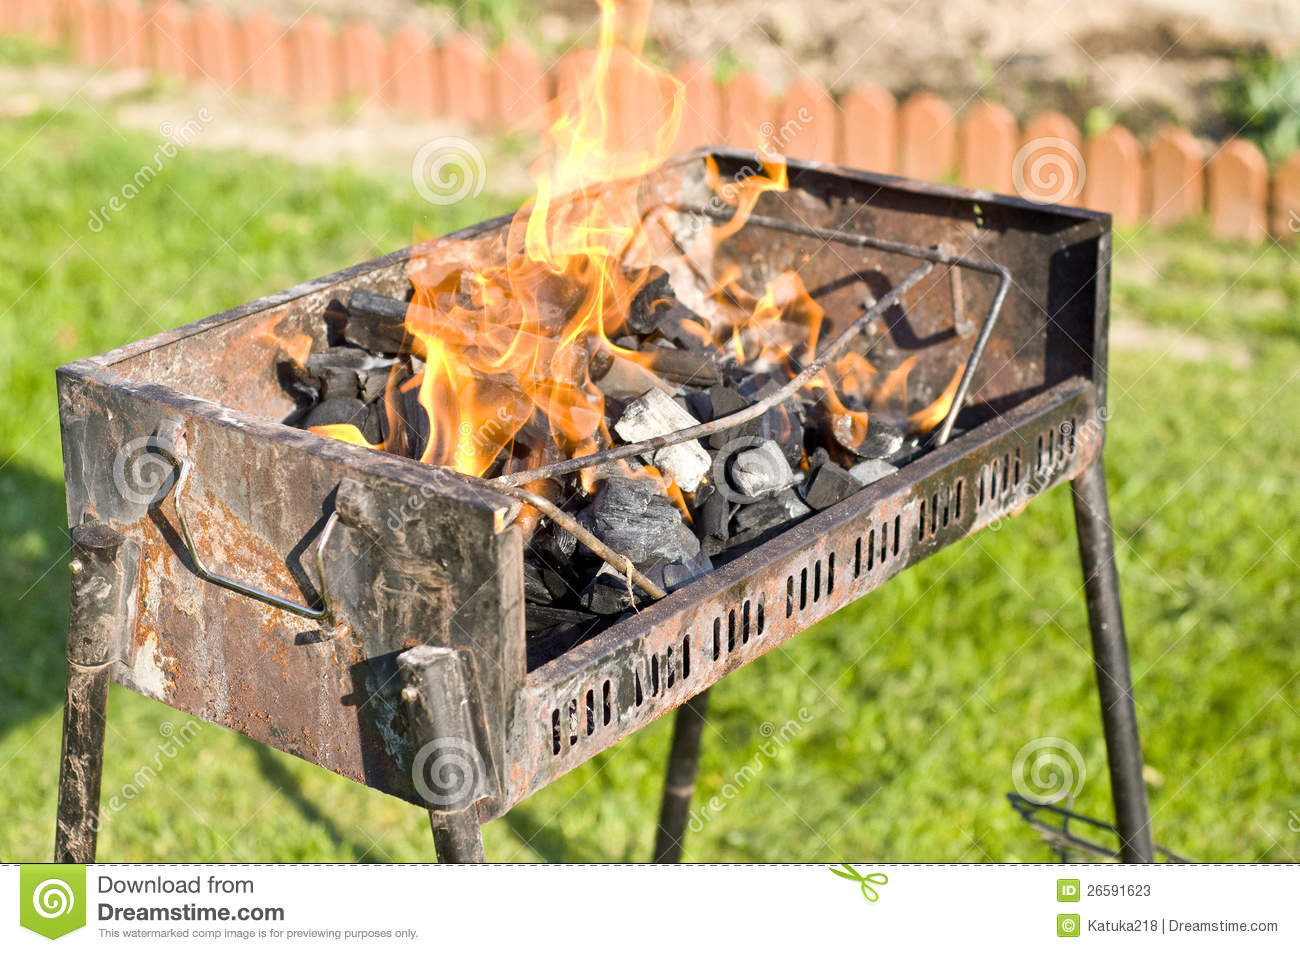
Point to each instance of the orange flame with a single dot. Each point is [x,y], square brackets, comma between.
[926,419]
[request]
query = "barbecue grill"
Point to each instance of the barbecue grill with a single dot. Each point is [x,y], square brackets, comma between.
[365,612]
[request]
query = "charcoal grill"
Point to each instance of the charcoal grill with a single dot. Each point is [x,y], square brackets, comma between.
[365,612]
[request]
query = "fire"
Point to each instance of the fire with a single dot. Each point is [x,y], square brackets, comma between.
[926,419]
[504,330]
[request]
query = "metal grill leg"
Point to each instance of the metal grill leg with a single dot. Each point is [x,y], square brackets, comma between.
[99,617]
[449,768]
[1110,656]
[679,784]
[457,839]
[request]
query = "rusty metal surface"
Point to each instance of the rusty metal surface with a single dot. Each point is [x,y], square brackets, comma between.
[644,667]
[418,559]
[443,573]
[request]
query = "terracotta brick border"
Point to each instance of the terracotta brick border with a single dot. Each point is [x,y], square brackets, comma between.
[1169,179]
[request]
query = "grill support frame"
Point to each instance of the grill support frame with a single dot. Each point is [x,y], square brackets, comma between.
[402,585]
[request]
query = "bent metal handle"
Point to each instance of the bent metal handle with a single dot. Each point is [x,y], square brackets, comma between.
[326,608]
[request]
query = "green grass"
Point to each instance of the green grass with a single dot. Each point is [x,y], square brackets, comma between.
[918,697]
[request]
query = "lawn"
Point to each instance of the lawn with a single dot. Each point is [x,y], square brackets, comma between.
[912,703]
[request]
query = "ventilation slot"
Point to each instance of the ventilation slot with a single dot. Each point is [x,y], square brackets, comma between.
[817,581]
[744,623]
[555,731]
[898,531]
[958,489]
[591,711]
[731,631]
[857,558]
[686,657]
[573,722]
[605,697]
[760,613]
[717,639]
[830,573]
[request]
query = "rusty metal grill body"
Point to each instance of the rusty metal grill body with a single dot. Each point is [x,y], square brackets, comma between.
[419,558]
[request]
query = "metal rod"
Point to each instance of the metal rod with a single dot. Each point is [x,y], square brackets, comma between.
[940,255]
[679,783]
[325,611]
[743,416]
[1110,658]
[104,570]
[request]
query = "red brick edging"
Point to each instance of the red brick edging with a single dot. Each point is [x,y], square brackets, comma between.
[1173,178]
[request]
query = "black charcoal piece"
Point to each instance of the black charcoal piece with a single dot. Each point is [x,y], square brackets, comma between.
[869,471]
[681,325]
[537,618]
[694,368]
[712,514]
[678,574]
[636,520]
[376,322]
[698,403]
[641,313]
[760,471]
[608,593]
[338,410]
[829,485]
[882,441]
[535,589]
[767,517]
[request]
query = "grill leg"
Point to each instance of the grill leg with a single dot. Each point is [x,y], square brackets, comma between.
[679,785]
[103,580]
[457,839]
[449,767]
[1110,656]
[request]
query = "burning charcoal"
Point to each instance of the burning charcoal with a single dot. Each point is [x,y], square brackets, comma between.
[338,410]
[413,423]
[783,423]
[633,518]
[681,325]
[767,516]
[869,471]
[376,322]
[641,313]
[829,485]
[761,471]
[653,415]
[881,440]
[696,368]
[625,379]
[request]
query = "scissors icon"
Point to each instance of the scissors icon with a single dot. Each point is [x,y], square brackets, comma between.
[863,880]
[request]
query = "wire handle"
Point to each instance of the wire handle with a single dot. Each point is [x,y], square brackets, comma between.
[326,609]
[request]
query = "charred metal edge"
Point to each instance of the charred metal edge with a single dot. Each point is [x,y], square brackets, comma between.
[1088,224]
[642,668]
